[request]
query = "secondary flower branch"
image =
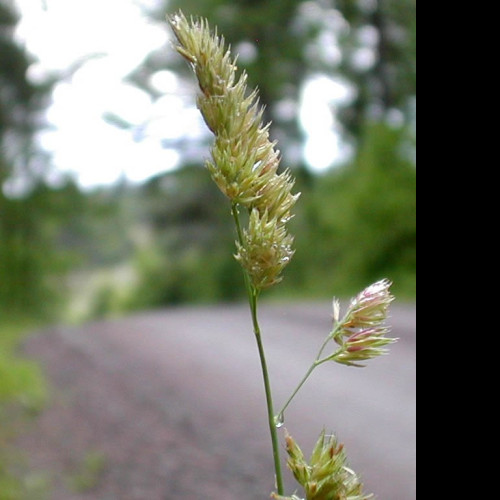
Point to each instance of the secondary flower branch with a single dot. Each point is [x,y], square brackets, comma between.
[360,334]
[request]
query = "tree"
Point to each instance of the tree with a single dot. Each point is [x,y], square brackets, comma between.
[21,106]
[25,250]
[361,220]
[188,256]
[379,61]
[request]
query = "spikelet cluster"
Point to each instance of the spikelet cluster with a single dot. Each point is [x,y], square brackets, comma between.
[326,475]
[362,332]
[244,162]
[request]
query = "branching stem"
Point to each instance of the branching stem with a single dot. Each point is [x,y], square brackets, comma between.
[318,361]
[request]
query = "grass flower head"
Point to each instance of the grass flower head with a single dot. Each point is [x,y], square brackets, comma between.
[326,475]
[244,162]
[362,332]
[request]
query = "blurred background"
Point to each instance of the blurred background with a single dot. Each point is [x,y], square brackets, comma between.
[104,203]
[105,206]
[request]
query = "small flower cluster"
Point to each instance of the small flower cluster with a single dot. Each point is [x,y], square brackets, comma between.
[244,162]
[362,333]
[326,476]
[266,250]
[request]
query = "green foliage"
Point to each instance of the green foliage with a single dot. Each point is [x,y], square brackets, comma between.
[23,392]
[33,262]
[184,253]
[21,381]
[379,60]
[26,255]
[30,486]
[192,277]
[16,91]
[89,472]
[23,259]
[361,221]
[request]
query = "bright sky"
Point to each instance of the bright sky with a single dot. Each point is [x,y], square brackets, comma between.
[118,37]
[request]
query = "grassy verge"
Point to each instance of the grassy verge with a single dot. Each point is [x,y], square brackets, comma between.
[23,393]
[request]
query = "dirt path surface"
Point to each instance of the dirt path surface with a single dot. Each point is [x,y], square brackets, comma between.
[172,404]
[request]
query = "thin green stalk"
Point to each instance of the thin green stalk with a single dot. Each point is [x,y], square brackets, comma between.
[318,361]
[253,296]
[281,415]
[269,401]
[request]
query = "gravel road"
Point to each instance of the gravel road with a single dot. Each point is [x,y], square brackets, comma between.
[172,403]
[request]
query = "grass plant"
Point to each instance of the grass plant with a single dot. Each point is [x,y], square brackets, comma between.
[245,165]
